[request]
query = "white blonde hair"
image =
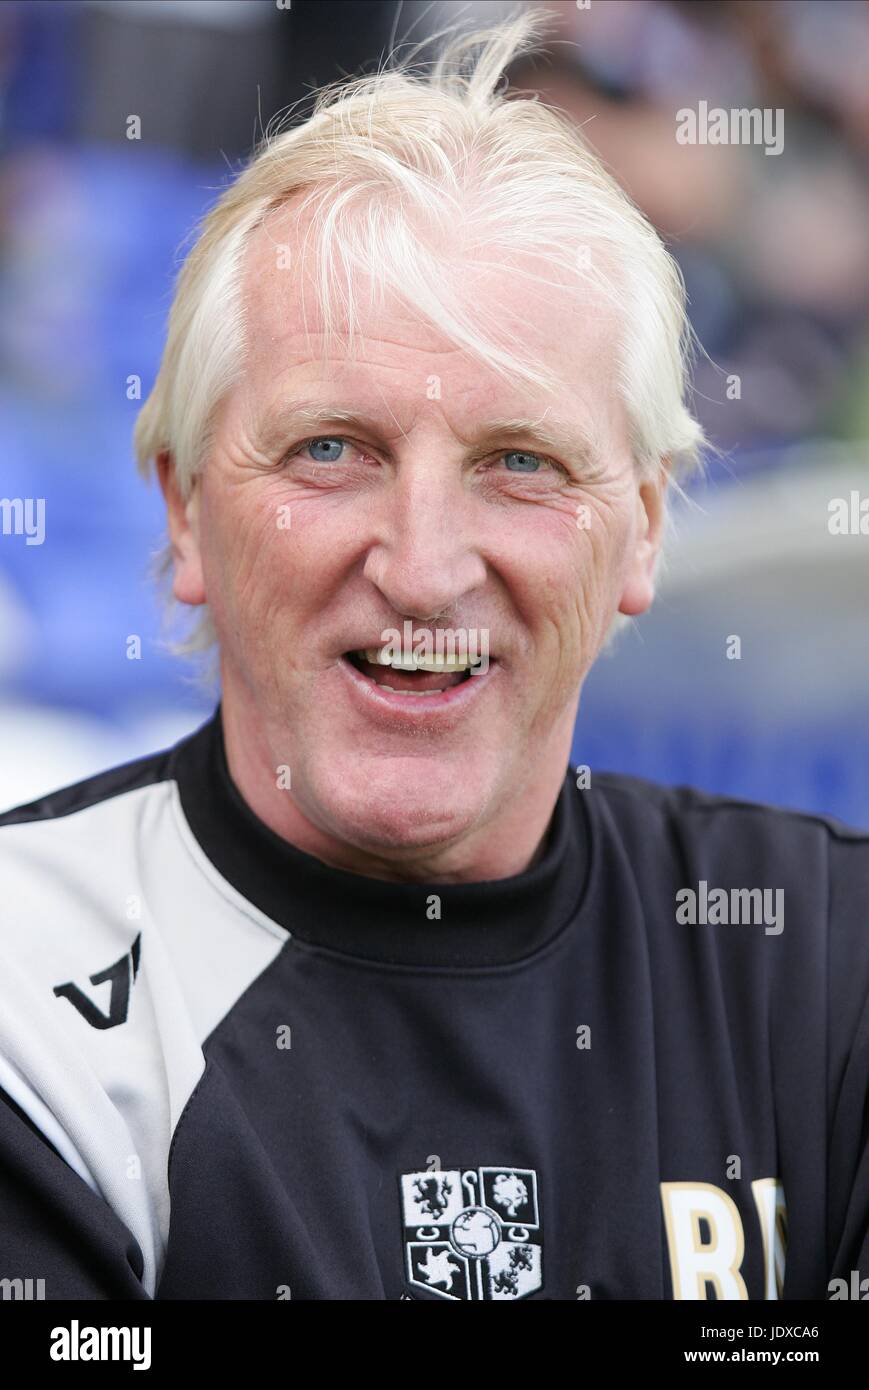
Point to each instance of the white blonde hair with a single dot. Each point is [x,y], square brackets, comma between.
[382,161]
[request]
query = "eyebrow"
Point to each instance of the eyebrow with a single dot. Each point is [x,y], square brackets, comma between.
[573,442]
[300,415]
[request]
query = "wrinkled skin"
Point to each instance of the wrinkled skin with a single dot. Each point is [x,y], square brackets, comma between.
[421,514]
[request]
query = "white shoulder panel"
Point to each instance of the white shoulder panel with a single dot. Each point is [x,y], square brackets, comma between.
[121,949]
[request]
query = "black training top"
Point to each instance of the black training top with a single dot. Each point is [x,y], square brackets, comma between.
[638,1070]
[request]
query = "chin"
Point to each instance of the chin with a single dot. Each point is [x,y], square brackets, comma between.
[411,803]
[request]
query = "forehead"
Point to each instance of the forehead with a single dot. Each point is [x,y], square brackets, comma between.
[399,352]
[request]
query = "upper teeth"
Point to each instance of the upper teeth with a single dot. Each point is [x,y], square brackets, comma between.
[415,693]
[436,664]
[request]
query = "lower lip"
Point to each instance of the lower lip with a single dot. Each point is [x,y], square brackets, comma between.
[415,710]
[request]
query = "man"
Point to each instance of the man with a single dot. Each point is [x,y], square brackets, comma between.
[359,992]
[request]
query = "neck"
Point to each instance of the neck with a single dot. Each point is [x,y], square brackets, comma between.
[506,843]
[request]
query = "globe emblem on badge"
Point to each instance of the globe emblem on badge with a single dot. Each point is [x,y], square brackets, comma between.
[475,1232]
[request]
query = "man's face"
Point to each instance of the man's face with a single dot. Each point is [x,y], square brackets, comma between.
[421,508]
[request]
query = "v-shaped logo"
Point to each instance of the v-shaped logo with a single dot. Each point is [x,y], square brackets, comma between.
[121,975]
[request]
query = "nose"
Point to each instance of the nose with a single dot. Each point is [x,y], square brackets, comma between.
[425,559]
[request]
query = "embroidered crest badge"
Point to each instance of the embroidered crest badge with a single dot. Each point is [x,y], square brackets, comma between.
[473,1233]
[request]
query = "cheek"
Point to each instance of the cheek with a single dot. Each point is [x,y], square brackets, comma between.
[574,572]
[603,563]
[250,553]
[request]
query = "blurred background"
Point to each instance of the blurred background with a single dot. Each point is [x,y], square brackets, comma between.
[775,253]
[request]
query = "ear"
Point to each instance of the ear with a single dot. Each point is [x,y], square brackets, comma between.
[639,589]
[182,520]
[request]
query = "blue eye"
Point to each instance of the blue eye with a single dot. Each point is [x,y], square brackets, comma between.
[325,442]
[526,463]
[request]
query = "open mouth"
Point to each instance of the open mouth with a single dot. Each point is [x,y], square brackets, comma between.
[411,677]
